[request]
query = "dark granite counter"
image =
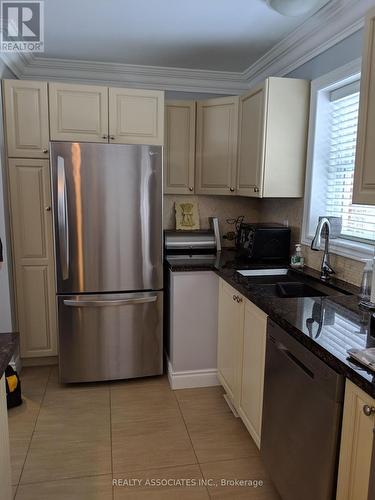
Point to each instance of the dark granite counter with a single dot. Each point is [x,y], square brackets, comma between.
[328,326]
[8,345]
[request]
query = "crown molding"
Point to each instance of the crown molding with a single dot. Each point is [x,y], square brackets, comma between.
[330,25]
[334,22]
[155,77]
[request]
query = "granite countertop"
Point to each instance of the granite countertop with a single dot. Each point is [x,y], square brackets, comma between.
[8,345]
[328,326]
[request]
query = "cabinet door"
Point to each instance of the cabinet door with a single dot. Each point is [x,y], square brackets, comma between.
[356,445]
[30,203]
[78,113]
[364,177]
[26,118]
[216,154]
[136,116]
[179,157]
[5,471]
[253,359]
[251,142]
[229,340]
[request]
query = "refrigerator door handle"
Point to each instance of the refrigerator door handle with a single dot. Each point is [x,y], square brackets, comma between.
[62,218]
[109,302]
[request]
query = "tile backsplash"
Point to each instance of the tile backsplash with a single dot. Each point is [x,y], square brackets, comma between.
[279,210]
[223,207]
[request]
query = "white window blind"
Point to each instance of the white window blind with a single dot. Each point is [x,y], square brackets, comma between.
[358,221]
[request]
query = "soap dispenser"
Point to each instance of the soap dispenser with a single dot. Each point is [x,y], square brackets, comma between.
[297,259]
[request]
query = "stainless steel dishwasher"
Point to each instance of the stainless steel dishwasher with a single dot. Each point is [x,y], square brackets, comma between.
[302,411]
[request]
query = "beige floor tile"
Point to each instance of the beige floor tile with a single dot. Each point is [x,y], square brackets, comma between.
[34,381]
[22,419]
[85,488]
[55,386]
[248,469]
[219,436]
[61,458]
[18,451]
[158,381]
[144,444]
[72,437]
[143,402]
[182,484]
[206,400]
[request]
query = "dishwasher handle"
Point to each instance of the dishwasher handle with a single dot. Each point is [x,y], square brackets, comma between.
[284,350]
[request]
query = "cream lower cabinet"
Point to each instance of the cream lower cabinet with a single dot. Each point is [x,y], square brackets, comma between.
[78,112]
[242,333]
[31,216]
[253,360]
[5,471]
[179,152]
[364,177]
[136,116]
[230,332]
[26,118]
[272,139]
[216,147]
[357,440]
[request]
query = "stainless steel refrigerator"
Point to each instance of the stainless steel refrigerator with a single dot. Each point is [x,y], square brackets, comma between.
[107,206]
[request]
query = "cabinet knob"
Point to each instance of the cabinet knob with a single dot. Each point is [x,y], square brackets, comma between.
[104,136]
[112,137]
[191,189]
[231,190]
[239,299]
[256,189]
[235,297]
[368,410]
[45,151]
[48,208]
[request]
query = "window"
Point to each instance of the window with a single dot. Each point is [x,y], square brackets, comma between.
[331,161]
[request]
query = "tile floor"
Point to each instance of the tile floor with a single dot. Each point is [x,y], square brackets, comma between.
[69,442]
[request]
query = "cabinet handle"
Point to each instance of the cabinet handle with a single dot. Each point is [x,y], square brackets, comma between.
[191,189]
[256,189]
[45,151]
[368,410]
[48,208]
[235,297]
[239,299]
[112,137]
[231,190]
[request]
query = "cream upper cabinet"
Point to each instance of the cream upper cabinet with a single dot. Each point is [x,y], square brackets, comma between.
[364,177]
[357,440]
[253,360]
[179,151]
[26,118]
[78,112]
[272,139]
[31,216]
[230,331]
[251,141]
[216,148]
[136,116]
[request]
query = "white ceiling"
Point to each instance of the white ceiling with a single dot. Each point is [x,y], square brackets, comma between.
[225,35]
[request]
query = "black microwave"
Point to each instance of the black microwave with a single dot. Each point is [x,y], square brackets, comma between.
[263,241]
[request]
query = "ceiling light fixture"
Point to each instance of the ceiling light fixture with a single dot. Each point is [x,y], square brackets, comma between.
[294,8]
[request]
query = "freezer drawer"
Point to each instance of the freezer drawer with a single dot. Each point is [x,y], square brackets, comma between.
[110,336]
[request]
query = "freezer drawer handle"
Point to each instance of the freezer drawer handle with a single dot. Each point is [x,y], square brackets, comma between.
[106,303]
[62,218]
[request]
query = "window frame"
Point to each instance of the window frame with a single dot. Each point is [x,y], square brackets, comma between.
[320,90]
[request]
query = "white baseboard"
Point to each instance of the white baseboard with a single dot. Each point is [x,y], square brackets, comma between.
[192,378]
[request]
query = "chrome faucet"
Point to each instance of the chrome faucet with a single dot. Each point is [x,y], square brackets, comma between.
[326,270]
